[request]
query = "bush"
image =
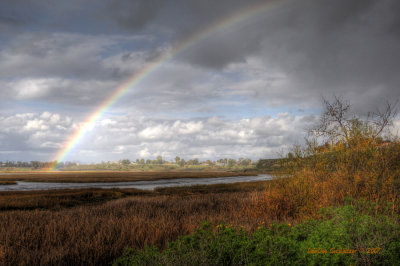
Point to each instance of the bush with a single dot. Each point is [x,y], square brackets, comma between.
[346,235]
[345,155]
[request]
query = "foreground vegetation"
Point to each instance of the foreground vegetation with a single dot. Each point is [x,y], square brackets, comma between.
[347,235]
[97,234]
[358,160]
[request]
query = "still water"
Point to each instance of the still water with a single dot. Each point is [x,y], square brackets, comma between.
[148,185]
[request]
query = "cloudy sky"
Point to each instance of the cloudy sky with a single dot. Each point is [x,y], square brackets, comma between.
[250,89]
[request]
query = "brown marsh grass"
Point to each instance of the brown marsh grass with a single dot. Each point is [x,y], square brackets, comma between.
[116,176]
[64,198]
[97,234]
[5,182]
[57,199]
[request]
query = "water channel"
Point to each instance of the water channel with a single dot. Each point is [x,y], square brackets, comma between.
[147,185]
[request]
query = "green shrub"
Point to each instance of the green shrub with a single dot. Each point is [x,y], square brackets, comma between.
[347,235]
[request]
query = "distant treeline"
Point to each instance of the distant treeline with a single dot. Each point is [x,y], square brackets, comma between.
[264,164]
[177,162]
[31,164]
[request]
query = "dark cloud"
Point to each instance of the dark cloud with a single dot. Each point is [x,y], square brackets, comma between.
[324,48]
[17,12]
[308,27]
[345,48]
[8,22]
[134,15]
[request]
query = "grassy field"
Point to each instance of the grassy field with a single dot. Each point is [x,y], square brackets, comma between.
[116,176]
[59,199]
[64,198]
[93,227]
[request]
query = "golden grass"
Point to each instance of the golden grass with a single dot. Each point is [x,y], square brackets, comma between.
[97,234]
[62,198]
[333,175]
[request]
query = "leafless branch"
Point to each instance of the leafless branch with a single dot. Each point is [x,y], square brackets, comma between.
[385,118]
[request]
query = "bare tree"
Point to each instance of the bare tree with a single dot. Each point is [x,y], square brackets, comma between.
[333,120]
[384,118]
[338,124]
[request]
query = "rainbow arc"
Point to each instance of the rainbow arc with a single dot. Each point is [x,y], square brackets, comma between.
[152,66]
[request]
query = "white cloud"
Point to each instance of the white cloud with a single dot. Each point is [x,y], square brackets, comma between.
[154,132]
[34,125]
[187,128]
[395,130]
[205,138]
[31,88]
[113,138]
[144,153]
[33,136]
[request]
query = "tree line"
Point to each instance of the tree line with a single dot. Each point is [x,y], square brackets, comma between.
[31,164]
[182,162]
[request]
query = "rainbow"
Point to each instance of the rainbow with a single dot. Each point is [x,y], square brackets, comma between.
[75,138]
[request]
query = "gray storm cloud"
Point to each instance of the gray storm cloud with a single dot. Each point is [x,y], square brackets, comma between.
[324,47]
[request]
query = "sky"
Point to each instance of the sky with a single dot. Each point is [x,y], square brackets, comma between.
[250,89]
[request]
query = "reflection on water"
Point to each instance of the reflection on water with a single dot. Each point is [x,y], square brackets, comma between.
[148,185]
